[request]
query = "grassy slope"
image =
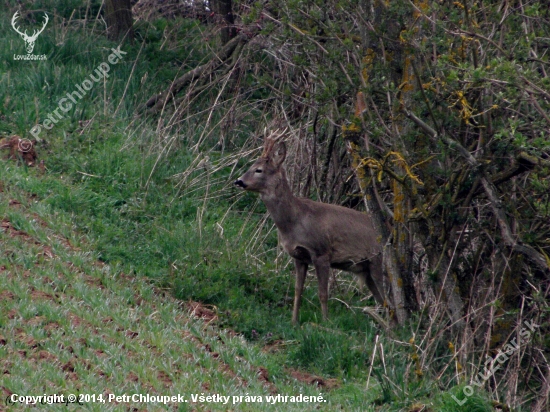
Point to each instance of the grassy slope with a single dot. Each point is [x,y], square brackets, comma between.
[72,324]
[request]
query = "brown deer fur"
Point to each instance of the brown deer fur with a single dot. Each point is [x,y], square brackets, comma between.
[316,233]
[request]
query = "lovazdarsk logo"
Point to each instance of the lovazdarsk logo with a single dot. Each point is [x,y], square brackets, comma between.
[29,39]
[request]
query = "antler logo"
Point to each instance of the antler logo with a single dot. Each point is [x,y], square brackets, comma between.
[29,40]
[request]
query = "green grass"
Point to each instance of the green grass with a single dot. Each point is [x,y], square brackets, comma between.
[71,324]
[116,241]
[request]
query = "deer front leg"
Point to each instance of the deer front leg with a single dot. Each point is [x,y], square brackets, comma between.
[301,271]
[322,269]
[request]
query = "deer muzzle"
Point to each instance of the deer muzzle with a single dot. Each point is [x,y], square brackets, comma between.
[240,183]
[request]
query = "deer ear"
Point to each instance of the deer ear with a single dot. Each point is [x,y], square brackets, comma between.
[279,154]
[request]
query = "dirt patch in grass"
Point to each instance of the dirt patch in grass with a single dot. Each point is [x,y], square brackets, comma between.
[6,295]
[224,367]
[20,149]
[313,379]
[263,376]
[14,203]
[164,378]
[89,279]
[132,377]
[48,253]
[26,340]
[131,334]
[76,321]
[63,240]
[41,295]
[36,321]
[201,311]
[45,356]
[50,327]
[6,226]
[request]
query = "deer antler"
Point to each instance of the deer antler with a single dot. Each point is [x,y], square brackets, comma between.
[271,139]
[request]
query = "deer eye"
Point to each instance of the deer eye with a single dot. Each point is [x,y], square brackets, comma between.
[259,170]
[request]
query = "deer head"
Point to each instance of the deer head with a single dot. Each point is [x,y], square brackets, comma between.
[264,174]
[29,40]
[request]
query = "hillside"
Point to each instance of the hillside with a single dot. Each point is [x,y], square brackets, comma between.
[73,325]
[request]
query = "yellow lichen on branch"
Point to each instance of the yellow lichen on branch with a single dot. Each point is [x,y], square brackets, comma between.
[356,164]
[399,160]
[407,85]
[367,63]
[466,111]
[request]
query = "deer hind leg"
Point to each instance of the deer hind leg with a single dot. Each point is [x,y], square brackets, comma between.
[373,276]
[322,269]
[301,271]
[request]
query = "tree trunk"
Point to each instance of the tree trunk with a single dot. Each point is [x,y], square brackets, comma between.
[118,14]
[223,8]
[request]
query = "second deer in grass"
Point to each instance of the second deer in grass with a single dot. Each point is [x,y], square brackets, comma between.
[315,233]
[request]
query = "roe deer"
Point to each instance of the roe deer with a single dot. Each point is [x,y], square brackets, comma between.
[321,234]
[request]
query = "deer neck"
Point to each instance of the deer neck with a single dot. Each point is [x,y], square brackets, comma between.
[281,203]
